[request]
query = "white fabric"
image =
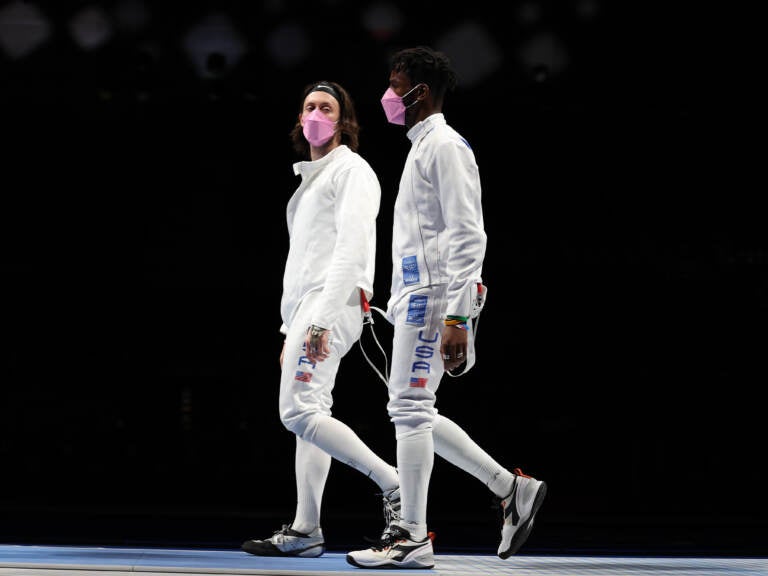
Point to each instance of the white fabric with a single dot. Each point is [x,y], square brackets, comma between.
[312,466]
[455,445]
[306,394]
[438,218]
[306,389]
[332,226]
[338,440]
[438,248]
[415,457]
[417,367]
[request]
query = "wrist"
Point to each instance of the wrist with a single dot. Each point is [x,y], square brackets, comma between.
[459,322]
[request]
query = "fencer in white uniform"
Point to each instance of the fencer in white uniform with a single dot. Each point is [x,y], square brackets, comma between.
[331,220]
[438,251]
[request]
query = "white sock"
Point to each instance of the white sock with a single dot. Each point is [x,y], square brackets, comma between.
[312,466]
[455,445]
[417,531]
[415,457]
[338,440]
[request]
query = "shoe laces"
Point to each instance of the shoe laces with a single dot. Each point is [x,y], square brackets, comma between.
[391,509]
[518,472]
[391,535]
[391,513]
[279,535]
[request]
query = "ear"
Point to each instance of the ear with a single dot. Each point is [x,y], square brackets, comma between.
[423,92]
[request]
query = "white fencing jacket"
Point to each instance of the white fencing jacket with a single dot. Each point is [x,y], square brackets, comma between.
[332,228]
[438,235]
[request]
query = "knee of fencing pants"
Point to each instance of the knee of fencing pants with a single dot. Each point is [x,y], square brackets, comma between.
[305,425]
[300,400]
[304,391]
[411,413]
[406,430]
[295,421]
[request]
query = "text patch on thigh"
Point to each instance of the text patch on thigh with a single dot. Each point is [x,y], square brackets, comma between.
[417,309]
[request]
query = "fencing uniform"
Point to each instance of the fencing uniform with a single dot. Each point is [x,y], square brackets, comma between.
[438,246]
[332,226]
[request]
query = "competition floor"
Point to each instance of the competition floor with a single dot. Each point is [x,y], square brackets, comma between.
[20,560]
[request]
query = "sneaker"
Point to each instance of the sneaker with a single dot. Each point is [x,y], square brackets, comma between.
[519,510]
[395,550]
[287,542]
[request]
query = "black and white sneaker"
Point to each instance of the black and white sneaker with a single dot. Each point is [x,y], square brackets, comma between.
[288,542]
[395,550]
[519,510]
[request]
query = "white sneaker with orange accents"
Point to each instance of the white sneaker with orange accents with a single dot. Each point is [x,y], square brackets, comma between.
[519,510]
[395,550]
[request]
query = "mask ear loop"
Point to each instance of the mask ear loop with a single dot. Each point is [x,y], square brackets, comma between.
[420,87]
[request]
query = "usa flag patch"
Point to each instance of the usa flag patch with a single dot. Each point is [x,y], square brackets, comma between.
[418,382]
[303,376]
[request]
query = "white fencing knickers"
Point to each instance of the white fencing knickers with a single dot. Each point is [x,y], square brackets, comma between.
[306,389]
[417,366]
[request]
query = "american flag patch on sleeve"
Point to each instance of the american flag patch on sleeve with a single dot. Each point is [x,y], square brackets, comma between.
[418,382]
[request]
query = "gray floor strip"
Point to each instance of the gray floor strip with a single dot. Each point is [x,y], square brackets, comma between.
[22,560]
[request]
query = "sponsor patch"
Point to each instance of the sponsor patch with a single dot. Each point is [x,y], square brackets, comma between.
[410,270]
[417,309]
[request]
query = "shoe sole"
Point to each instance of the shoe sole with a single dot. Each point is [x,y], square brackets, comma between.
[388,565]
[522,533]
[275,552]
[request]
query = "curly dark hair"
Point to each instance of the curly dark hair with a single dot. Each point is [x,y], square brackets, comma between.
[423,64]
[347,125]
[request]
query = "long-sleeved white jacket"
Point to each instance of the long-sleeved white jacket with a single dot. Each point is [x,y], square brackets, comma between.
[438,235]
[332,228]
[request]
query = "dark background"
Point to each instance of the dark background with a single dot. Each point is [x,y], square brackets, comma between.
[622,352]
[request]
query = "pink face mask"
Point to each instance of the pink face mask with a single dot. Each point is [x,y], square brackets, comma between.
[394,107]
[318,129]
